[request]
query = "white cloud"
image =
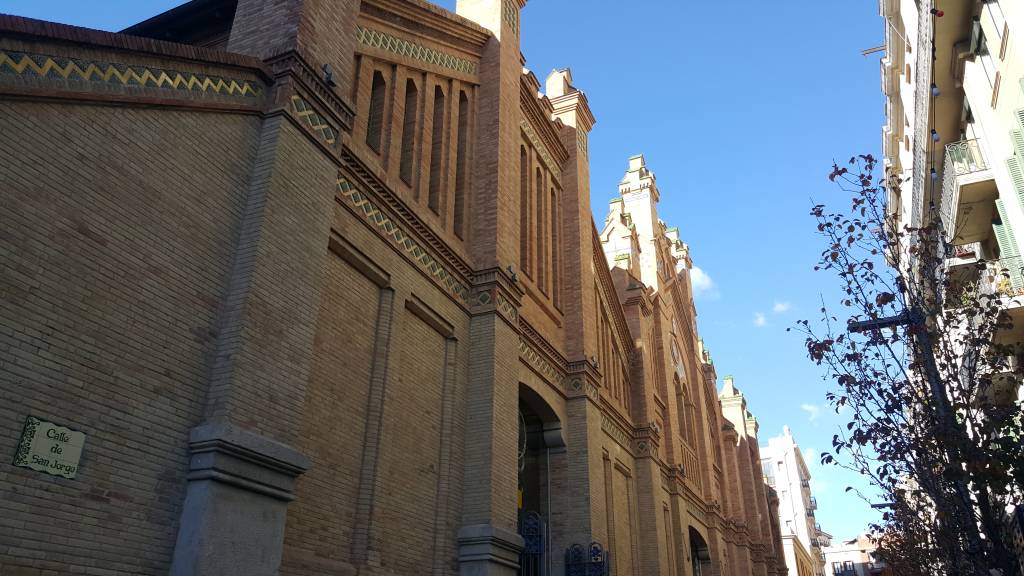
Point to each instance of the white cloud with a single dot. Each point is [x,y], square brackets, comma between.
[812,410]
[703,285]
[759,319]
[781,307]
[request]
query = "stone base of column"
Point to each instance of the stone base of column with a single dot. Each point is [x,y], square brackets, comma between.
[233,519]
[487,550]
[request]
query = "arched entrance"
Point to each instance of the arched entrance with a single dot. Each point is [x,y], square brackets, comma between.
[700,554]
[540,432]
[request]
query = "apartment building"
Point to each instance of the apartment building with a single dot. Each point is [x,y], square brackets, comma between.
[854,557]
[954,134]
[953,79]
[785,471]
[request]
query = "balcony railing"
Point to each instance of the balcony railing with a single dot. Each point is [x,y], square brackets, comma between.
[963,157]
[814,503]
[995,281]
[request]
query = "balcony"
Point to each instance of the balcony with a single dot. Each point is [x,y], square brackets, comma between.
[814,504]
[969,191]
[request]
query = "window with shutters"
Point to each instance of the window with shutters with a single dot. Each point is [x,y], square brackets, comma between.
[408,132]
[375,116]
[434,199]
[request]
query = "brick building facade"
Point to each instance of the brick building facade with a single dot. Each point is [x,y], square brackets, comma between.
[319,282]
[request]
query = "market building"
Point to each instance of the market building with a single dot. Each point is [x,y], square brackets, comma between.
[313,287]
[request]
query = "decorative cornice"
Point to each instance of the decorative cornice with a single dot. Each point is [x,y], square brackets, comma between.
[541,364]
[575,101]
[536,110]
[542,150]
[310,119]
[363,205]
[409,218]
[583,380]
[99,73]
[429,19]
[14,26]
[391,43]
[609,425]
[292,64]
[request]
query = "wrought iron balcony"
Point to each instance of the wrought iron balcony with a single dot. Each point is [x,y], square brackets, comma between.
[962,158]
[996,282]
[814,503]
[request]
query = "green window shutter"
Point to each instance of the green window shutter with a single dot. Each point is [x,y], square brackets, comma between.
[1020,112]
[1009,254]
[1004,235]
[1017,177]
[1017,136]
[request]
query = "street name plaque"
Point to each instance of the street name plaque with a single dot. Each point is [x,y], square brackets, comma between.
[50,448]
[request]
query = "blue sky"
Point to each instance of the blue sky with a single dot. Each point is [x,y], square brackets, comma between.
[740,107]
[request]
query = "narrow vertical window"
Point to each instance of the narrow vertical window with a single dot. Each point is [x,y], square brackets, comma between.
[376,115]
[524,211]
[556,223]
[408,132]
[460,164]
[541,225]
[436,145]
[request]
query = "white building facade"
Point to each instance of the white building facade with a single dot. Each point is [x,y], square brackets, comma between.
[802,538]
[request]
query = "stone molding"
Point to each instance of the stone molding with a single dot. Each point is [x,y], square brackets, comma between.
[309,84]
[224,453]
[490,544]
[399,236]
[617,432]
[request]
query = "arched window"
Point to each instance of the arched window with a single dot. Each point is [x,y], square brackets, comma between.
[375,122]
[524,211]
[555,246]
[436,147]
[408,132]
[541,231]
[460,164]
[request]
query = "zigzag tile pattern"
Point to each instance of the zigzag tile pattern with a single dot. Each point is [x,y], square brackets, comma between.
[541,149]
[403,47]
[44,66]
[310,118]
[533,357]
[401,238]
